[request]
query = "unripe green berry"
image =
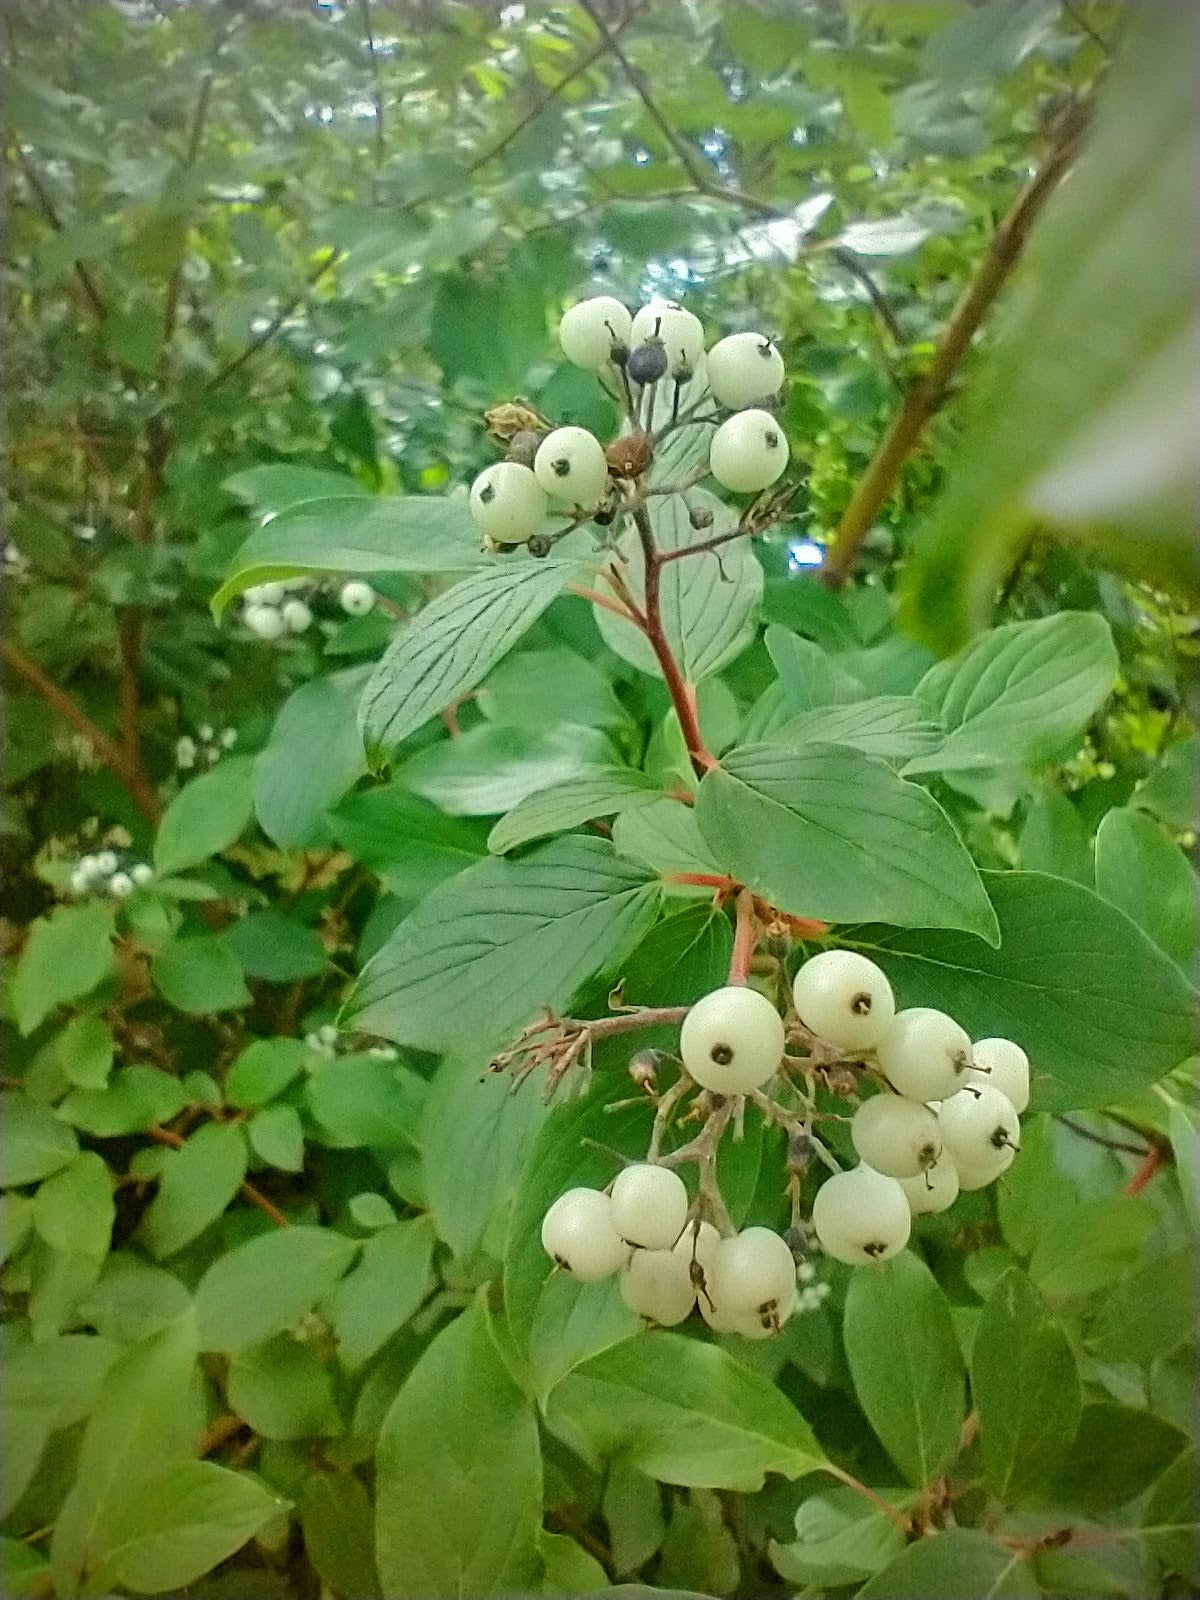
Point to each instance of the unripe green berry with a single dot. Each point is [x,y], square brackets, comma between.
[743,369]
[748,452]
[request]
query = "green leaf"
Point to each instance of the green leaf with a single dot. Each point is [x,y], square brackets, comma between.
[474,1138]
[68,952]
[1055,839]
[1170,1523]
[484,951]
[601,792]
[199,973]
[683,1412]
[699,1547]
[335,1518]
[537,688]
[811,679]
[1141,870]
[953,1564]
[831,833]
[454,643]
[276,1136]
[365,1100]
[708,606]
[183,1524]
[905,1361]
[1185,1146]
[1090,1242]
[1148,1314]
[1061,426]
[889,726]
[490,769]
[840,1538]
[408,842]
[269,945]
[134,1098]
[355,534]
[1101,1011]
[393,1276]
[264,1069]
[1019,693]
[667,837]
[632,1508]
[74,1209]
[458,1453]
[267,1284]
[1117,1454]
[84,1051]
[22,1570]
[567,1567]
[198,1181]
[35,1142]
[313,756]
[282,1390]
[133,1300]
[278,486]
[141,1427]
[206,816]
[684,957]
[1026,1389]
[1169,790]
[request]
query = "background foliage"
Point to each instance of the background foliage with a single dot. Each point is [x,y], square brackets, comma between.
[276,1313]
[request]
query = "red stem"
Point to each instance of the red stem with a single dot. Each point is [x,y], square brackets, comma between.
[1150,1165]
[703,880]
[682,695]
[744,940]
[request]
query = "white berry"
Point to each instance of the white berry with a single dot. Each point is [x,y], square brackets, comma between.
[744,368]
[657,1285]
[844,999]
[976,1125]
[578,1233]
[356,598]
[264,621]
[263,594]
[1003,1065]
[681,332]
[750,1324]
[754,1272]
[748,452]
[104,863]
[120,885]
[649,1206]
[698,1243]
[80,881]
[589,330]
[508,503]
[935,1189]
[570,465]
[861,1216]
[185,753]
[297,618]
[978,1174]
[896,1136]
[142,872]
[732,1040]
[924,1054]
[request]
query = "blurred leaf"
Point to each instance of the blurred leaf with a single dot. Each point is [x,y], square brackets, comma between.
[276,1136]
[268,1283]
[602,792]
[74,1210]
[953,1564]
[269,945]
[365,1100]
[406,840]
[278,486]
[667,837]
[67,953]
[198,1181]
[1148,1314]
[207,814]
[1117,1454]
[393,1276]
[200,974]
[35,1142]
[335,1518]
[840,1538]
[490,769]
[313,756]
[1054,839]
[1171,1524]
[1139,869]
[264,1069]
[282,1390]
[535,688]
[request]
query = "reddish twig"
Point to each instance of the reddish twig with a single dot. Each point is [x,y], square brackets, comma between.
[255,1196]
[1153,1160]
[682,697]
[744,940]
[704,880]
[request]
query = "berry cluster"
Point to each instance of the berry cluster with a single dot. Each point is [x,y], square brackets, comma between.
[271,610]
[935,1115]
[567,473]
[106,872]
[329,1042]
[206,749]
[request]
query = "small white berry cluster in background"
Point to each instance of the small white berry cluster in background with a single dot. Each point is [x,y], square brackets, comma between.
[935,1115]
[646,362]
[271,610]
[206,749]
[327,1041]
[106,872]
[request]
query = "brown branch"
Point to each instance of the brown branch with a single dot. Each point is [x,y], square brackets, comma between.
[191,154]
[601,600]
[109,751]
[255,1196]
[87,283]
[926,396]
[744,940]
[1123,1145]
[235,363]
[682,695]
[376,84]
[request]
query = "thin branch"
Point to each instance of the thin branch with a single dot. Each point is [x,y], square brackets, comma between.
[235,363]
[255,1196]
[682,696]
[87,283]
[926,396]
[601,600]
[1139,1150]
[850,263]
[191,154]
[876,1500]
[744,940]
[376,84]
[109,751]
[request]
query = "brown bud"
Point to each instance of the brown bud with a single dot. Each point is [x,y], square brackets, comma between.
[504,422]
[523,446]
[629,457]
[643,1068]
